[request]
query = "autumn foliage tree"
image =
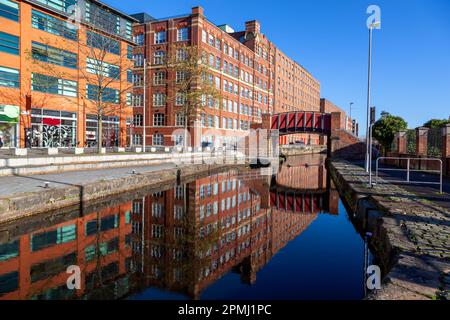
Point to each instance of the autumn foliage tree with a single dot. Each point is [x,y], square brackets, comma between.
[194,84]
[386,127]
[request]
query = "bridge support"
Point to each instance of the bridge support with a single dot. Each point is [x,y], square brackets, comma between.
[343,144]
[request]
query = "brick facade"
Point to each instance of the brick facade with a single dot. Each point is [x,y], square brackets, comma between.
[253,75]
[329,107]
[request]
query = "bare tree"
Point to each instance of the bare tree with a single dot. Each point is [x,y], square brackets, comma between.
[193,85]
[104,71]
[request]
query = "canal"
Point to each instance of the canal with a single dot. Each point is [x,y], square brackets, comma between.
[239,234]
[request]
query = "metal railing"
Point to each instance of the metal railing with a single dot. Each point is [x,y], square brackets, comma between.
[408,170]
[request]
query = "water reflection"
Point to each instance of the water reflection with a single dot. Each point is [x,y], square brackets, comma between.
[181,240]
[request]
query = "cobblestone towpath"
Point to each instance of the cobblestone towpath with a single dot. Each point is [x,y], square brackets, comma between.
[418,231]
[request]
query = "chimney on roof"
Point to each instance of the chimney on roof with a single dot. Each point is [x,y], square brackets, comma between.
[197,11]
[253,26]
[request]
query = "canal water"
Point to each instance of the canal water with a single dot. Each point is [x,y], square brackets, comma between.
[238,234]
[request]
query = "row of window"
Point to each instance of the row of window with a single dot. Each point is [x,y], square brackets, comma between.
[161,36]
[211,121]
[9,10]
[10,78]
[54,55]
[230,51]
[10,43]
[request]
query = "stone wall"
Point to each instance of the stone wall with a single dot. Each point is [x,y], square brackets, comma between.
[31,203]
[343,144]
[421,153]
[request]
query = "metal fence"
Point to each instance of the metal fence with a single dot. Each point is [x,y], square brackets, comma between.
[434,142]
[410,169]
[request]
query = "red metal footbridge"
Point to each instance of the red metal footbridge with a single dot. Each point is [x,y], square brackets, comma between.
[301,122]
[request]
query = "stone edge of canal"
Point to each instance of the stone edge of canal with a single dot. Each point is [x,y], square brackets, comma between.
[371,216]
[24,205]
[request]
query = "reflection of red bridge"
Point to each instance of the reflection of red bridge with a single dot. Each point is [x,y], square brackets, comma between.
[299,202]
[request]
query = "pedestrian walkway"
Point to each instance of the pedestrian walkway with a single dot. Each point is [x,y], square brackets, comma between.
[19,184]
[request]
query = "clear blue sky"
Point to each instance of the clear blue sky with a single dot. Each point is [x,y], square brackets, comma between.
[411,75]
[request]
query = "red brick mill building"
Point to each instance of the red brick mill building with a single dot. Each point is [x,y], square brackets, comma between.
[254,77]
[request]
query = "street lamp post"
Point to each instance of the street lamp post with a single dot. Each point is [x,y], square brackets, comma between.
[369,83]
[351,104]
[144,130]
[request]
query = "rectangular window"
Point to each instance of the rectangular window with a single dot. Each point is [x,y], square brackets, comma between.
[137,100]
[180,76]
[53,25]
[158,139]
[138,60]
[159,78]
[9,10]
[103,43]
[181,55]
[129,52]
[158,119]
[139,39]
[138,80]
[9,250]
[57,236]
[9,77]
[159,57]
[50,268]
[159,99]
[9,43]
[102,68]
[180,120]
[60,5]
[138,120]
[204,36]
[180,99]
[9,282]
[183,34]
[48,84]
[53,55]
[108,95]
[160,37]
[128,30]
[102,18]
[130,76]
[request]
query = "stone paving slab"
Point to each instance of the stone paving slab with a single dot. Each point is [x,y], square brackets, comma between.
[22,184]
[417,228]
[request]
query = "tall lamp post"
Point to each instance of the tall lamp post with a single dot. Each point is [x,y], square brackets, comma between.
[350,116]
[144,130]
[351,105]
[374,25]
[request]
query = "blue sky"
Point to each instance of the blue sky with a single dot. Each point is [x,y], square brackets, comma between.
[411,66]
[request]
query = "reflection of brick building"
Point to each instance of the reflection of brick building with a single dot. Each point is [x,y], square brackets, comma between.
[223,229]
[253,75]
[33,265]
[181,240]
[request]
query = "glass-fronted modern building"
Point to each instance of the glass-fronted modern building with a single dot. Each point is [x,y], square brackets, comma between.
[50,64]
